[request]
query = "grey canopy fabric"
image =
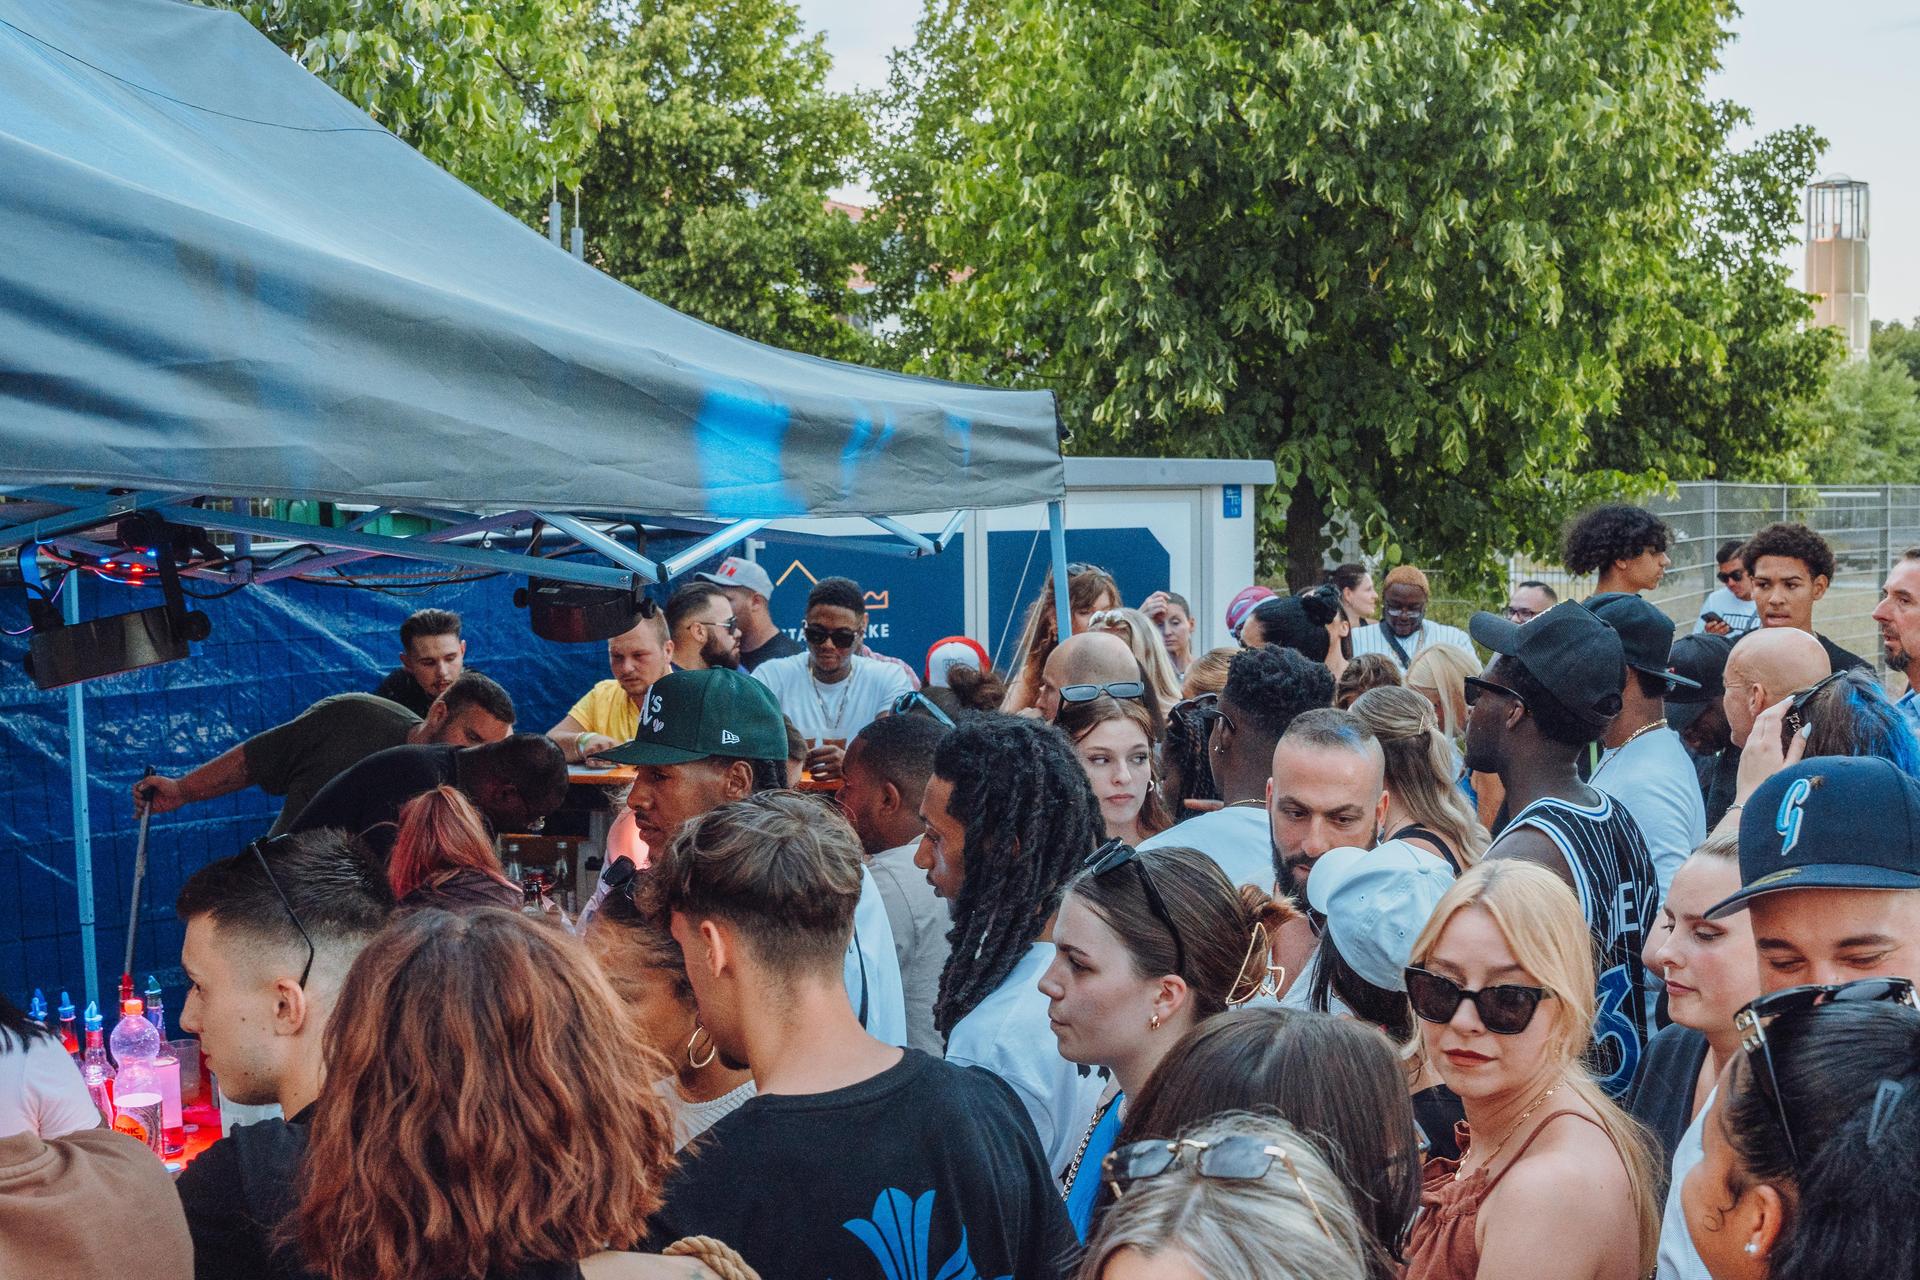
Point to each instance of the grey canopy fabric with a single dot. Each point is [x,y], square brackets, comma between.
[221,278]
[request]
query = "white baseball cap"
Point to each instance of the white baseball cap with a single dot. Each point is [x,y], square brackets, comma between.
[735,572]
[1376,902]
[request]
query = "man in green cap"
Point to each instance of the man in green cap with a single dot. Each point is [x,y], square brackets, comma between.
[711,737]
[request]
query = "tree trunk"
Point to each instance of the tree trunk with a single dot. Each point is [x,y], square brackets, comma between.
[1306,517]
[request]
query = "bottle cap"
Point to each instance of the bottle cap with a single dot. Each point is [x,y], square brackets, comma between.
[153,989]
[37,1007]
[133,1007]
[93,1016]
[66,1005]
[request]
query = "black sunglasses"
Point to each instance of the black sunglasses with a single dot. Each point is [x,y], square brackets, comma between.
[1118,853]
[258,850]
[913,699]
[1129,689]
[1475,686]
[1735,576]
[1752,1021]
[1505,1010]
[1240,1158]
[842,637]
[1796,709]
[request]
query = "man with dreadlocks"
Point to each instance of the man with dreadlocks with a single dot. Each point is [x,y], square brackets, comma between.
[1009,819]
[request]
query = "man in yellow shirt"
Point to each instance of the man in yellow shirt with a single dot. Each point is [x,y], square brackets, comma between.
[609,714]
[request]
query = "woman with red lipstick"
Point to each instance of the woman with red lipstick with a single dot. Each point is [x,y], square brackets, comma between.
[1554,1181]
[1709,973]
[1147,943]
[1113,740]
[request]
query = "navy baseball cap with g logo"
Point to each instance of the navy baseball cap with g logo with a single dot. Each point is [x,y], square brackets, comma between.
[1833,822]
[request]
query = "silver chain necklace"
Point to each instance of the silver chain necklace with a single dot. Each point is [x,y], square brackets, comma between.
[830,719]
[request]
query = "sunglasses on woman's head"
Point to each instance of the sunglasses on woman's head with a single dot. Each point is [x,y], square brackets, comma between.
[913,699]
[842,637]
[1752,1020]
[1240,1158]
[1505,1010]
[1115,854]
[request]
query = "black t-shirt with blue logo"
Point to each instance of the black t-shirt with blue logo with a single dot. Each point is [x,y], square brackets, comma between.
[927,1169]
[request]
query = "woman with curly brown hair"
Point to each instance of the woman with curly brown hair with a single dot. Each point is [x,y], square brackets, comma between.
[470,1127]
[1089,590]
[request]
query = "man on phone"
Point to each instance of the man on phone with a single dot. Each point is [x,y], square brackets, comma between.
[1728,609]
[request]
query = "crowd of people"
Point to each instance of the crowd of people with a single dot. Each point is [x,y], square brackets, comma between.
[1574,944]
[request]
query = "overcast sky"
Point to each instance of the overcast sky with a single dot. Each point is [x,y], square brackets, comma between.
[1835,64]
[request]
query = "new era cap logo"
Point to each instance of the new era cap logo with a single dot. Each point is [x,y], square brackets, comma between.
[728,738]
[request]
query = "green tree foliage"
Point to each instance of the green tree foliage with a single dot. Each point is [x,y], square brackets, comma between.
[709,192]
[500,93]
[1409,252]
[1901,341]
[1869,419]
[1725,401]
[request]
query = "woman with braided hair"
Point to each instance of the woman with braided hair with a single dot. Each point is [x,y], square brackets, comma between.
[1009,819]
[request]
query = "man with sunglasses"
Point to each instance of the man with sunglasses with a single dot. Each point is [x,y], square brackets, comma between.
[270,935]
[830,692]
[1728,609]
[1267,688]
[1552,689]
[1830,875]
[700,620]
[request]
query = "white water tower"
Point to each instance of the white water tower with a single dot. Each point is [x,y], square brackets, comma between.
[1837,259]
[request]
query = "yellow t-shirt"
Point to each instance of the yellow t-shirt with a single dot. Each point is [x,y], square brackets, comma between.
[607,709]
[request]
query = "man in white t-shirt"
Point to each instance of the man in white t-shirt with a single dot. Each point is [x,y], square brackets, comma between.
[1728,609]
[1266,688]
[1645,765]
[1403,629]
[829,692]
[1830,873]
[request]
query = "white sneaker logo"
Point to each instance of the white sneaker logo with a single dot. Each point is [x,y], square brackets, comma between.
[728,738]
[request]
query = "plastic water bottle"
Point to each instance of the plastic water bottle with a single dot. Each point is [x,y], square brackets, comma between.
[139,1109]
[95,1069]
[168,1065]
[68,1040]
[37,1008]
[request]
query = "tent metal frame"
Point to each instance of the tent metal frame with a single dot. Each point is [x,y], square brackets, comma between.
[60,518]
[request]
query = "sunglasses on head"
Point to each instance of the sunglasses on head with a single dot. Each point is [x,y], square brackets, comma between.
[258,849]
[1125,689]
[1475,686]
[1752,1022]
[1797,707]
[1505,1010]
[1115,854]
[913,699]
[1240,1158]
[842,637]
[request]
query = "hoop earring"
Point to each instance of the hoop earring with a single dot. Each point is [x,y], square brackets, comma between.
[713,1050]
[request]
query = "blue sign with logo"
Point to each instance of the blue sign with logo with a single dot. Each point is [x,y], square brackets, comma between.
[911,603]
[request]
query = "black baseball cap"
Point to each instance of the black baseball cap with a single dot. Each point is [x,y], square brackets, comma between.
[1646,634]
[1701,658]
[693,715]
[1833,822]
[1571,652]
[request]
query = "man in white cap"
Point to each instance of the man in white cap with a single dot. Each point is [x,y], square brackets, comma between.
[748,589]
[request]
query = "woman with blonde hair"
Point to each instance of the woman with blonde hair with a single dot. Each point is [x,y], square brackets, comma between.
[1439,673]
[1554,1181]
[1089,590]
[1149,650]
[463,1129]
[1239,1197]
[1425,807]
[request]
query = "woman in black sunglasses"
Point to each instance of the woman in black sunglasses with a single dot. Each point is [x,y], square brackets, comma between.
[1554,1181]
[1812,1150]
[1147,943]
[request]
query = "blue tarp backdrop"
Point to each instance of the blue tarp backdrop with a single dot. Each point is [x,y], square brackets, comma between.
[274,650]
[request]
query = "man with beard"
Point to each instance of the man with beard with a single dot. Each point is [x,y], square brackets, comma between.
[1898,614]
[705,634]
[1328,791]
[1552,689]
[1403,629]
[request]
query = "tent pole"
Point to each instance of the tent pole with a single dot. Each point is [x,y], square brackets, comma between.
[1057,534]
[82,825]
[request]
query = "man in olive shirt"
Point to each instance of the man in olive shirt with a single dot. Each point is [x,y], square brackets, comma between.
[299,757]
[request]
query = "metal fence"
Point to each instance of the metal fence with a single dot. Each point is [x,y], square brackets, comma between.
[1868,527]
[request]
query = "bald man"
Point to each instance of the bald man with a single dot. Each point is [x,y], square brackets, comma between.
[1097,658]
[1766,667]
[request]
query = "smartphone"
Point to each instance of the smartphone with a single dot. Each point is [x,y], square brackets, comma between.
[1711,616]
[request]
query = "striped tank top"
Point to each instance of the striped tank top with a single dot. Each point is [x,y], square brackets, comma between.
[1614,878]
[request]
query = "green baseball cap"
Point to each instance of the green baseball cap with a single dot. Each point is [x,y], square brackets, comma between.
[692,715]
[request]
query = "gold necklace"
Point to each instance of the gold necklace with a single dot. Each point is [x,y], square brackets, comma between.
[1512,1129]
[1645,728]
